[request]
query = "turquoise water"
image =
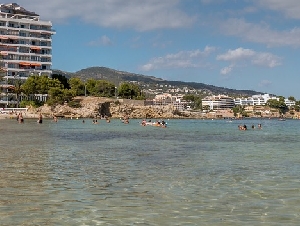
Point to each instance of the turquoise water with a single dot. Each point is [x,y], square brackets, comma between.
[195,172]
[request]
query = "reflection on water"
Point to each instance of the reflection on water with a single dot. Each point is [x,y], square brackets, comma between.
[191,173]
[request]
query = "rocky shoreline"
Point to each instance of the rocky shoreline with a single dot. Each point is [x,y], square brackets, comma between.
[92,107]
[113,108]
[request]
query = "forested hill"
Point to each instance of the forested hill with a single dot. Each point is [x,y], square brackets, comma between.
[117,77]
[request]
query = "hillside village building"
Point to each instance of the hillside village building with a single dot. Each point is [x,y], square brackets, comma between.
[260,100]
[218,102]
[25,42]
[176,101]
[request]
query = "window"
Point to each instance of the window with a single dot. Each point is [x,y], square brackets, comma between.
[34,58]
[23,34]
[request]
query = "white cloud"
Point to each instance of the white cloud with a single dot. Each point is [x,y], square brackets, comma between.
[266,59]
[135,14]
[247,56]
[182,59]
[237,54]
[290,8]
[226,70]
[102,41]
[261,33]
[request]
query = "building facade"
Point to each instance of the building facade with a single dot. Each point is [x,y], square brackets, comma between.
[167,99]
[260,100]
[218,102]
[25,42]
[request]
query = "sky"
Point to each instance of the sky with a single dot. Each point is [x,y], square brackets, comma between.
[237,44]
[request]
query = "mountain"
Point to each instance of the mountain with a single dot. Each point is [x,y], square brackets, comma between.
[117,77]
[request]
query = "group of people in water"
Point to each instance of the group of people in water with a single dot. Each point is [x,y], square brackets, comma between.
[244,127]
[20,118]
[158,123]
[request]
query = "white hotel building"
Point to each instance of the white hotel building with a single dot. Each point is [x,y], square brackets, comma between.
[25,42]
[224,102]
[218,102]
[260,100]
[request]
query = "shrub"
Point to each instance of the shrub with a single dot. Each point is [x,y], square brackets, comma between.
[32,103]
[74,104]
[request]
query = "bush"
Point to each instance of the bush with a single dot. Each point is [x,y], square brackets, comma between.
[74,104]
[32,103]
[117,102]
[177,112]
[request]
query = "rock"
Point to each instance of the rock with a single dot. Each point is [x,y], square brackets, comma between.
[92,106]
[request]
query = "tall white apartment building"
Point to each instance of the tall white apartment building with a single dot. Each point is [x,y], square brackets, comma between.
[25,42]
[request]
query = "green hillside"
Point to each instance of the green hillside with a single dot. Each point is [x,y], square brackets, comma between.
[117,77]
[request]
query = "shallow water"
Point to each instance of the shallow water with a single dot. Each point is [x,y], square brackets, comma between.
[195,172]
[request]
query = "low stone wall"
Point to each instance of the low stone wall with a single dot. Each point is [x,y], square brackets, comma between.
[132,102]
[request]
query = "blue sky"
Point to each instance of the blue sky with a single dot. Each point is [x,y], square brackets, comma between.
[239,44]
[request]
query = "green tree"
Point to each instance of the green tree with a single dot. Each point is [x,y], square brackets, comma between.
[62,79]
[100,88]
[44,85]
[198,103]
[56,95]
[195,100]
[59,96]
[30,85]
[239,110]
[18,90]
[278,104]
[291,98]
[130,91]
[3,70]
[91,86]
[77,86]
[105,88]
[39,84]
[189,97]
[297,106]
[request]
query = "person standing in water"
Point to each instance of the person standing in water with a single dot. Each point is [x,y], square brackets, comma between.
[20,118]
[40,120]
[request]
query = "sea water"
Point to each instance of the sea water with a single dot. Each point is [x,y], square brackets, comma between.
[194,172]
